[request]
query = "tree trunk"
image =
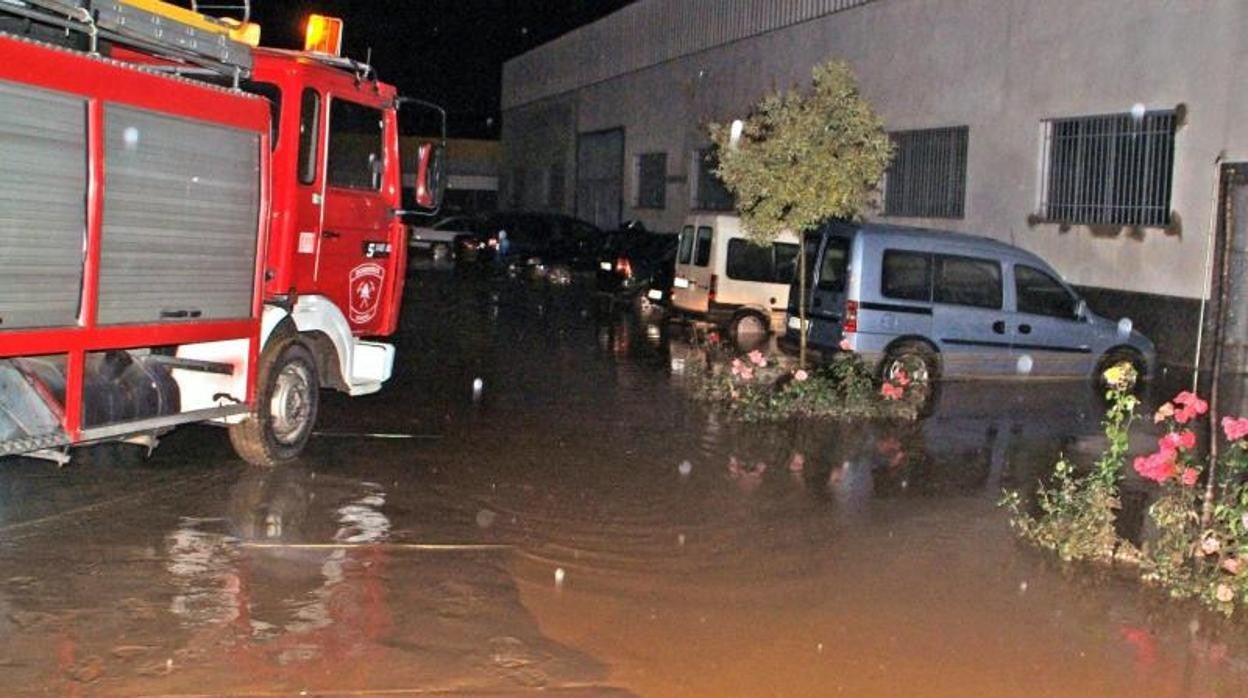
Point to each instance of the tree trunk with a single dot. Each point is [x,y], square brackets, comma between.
[801,301]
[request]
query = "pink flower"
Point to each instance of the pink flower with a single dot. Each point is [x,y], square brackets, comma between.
[800,376]
[756,357]
[1224,593]
[741,370]
[901,377]
[1188,478]
[891,392]
[845,344]
[797,463]
[1191,407]
[1177,441]
[1234,565]
[1157,467]
[1210,545]
[1163,413]
[713,338]
[1235,428]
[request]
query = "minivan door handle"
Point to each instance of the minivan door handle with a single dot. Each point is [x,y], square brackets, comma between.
[1024,329]
[999,327]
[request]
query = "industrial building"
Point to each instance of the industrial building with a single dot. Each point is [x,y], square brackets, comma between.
[1103,135]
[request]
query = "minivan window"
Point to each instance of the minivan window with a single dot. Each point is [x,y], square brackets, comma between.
[968,281]
[1041,294]
[686,245]
[703,255]
[907,276]
[772,264]
[834,264]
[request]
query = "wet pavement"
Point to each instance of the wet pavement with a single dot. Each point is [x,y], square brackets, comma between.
[581,528]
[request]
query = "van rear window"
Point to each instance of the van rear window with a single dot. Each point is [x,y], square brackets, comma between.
[686,245]
[907,276]
[771,264]
[834,264]
[702,253]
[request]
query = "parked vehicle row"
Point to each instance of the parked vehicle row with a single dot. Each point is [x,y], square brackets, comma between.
[929,302]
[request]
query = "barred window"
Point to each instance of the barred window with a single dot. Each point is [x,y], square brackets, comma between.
[710,193]
[1115,169]
[927,177]
[652,180]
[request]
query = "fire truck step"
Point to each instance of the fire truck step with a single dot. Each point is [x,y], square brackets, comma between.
[38,442]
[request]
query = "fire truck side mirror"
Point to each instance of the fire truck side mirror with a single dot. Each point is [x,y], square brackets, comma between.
[431,175]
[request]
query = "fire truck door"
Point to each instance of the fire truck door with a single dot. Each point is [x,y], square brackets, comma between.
[354,262]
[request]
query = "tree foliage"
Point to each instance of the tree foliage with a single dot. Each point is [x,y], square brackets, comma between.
[804,157]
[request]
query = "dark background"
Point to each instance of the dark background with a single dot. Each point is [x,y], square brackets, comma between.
[446,51]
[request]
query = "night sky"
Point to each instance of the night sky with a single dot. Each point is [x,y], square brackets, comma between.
[446,51]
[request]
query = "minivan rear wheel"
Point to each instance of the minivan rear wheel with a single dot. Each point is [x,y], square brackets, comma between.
[914,360]
[749,326]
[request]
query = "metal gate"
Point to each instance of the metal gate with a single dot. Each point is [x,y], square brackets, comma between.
[1229,291]
[600,178]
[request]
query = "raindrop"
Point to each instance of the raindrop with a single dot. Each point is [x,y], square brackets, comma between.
[1022,587]
[559,575]
[130,136]
[680,539]
[1137,111]
[685,468]
[477,386]
[1125,326]
[1025,363]
[819,647]
[485,518]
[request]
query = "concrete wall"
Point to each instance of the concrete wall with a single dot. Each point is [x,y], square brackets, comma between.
[998,66]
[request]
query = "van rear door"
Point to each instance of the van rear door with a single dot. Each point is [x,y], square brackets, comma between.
[968,316]
[827,276]
[693,269]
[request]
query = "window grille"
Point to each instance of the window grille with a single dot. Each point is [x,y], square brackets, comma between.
[652,180]
[927,178]
[710,193]
[1115,169]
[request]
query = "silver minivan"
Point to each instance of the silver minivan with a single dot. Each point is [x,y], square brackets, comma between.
[950,304]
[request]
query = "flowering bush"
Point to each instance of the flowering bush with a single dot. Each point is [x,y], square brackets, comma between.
[1076,512]
[755,388]
[1185,556]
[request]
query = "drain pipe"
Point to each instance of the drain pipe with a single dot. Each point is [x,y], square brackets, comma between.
[1204,297]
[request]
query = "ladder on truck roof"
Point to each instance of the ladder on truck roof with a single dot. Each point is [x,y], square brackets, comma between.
[161,28]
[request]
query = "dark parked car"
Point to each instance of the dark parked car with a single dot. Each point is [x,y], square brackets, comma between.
[547,239]
[636,266]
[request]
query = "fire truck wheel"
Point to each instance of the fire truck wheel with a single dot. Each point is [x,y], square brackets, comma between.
[286,403]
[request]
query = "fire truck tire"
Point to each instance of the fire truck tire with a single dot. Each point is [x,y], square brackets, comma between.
[286,404]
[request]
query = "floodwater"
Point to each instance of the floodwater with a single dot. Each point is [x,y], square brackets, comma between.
[579,527]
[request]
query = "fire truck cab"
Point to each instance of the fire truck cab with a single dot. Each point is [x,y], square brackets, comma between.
[191,228]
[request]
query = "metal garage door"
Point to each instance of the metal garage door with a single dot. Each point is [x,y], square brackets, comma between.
[600,178]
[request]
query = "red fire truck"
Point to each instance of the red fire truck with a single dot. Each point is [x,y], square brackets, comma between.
[192,228]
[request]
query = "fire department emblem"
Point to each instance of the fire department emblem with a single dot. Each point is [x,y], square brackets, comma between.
[365,284]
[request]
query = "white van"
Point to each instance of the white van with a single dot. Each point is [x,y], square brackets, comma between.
[723,278]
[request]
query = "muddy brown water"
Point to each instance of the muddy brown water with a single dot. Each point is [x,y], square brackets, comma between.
[607,537]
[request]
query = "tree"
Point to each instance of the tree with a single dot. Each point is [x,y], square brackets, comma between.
[801,158]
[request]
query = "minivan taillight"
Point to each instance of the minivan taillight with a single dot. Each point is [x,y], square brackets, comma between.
[710,292]
[851,317]
[624,267]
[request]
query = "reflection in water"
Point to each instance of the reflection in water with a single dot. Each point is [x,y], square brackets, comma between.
[301,604]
